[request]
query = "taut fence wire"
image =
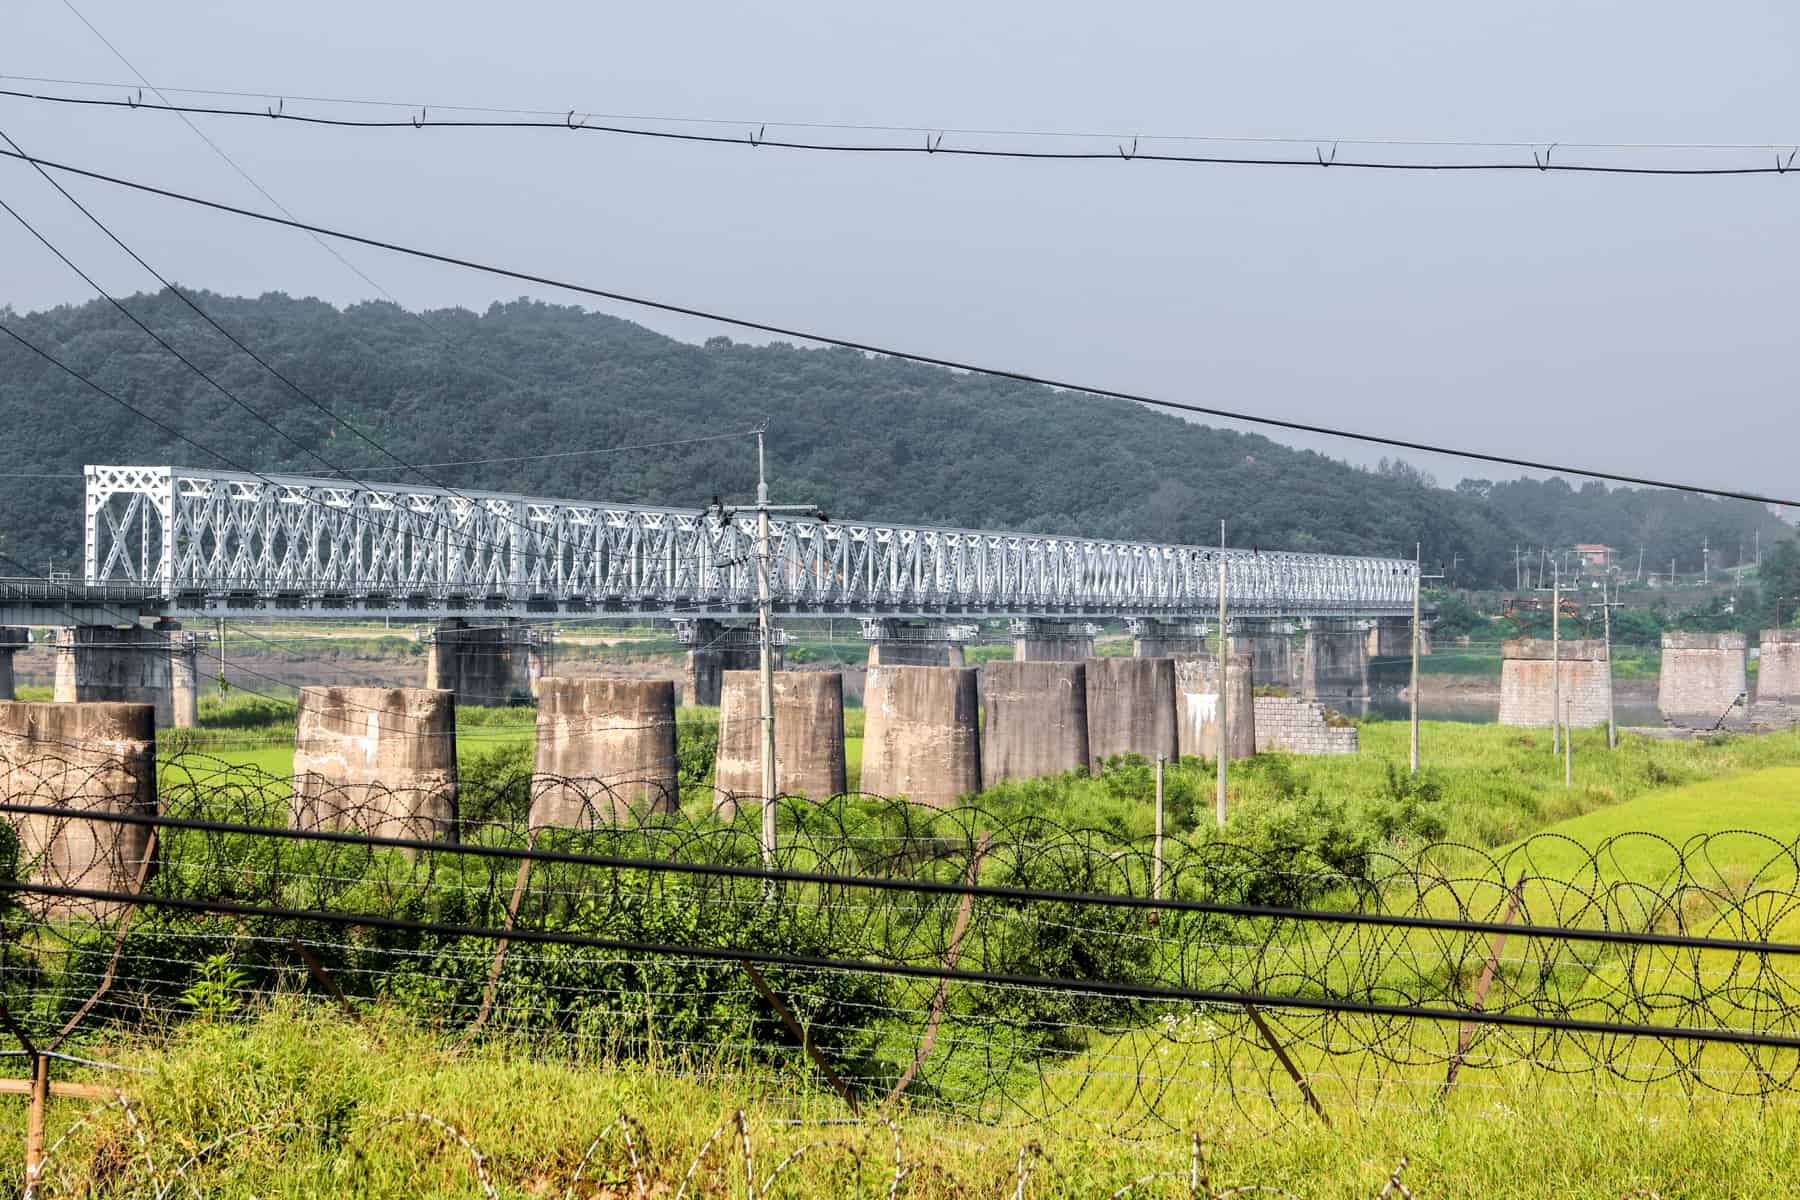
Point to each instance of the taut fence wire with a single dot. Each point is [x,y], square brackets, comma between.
[1003,968]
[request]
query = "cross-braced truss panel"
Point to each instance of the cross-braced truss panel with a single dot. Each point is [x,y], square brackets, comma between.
[292,542]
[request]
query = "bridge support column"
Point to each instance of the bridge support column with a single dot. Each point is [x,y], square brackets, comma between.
[1151,638]
[1703,678]
[894,643]
[715,648]
[380,761]
[12,640]
[605,751]
[922,739]
[809,738]
[1529,681]
[1036,640]
[1777,680]
[1035,720]
[1389,651]
[1131,709]
[82,756]
[154,666]
[1336,668]
[1270,645]
[1197,695]
[480,664]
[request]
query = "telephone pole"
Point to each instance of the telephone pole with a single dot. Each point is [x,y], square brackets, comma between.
[1224,692]
[1412,690]
[766,629]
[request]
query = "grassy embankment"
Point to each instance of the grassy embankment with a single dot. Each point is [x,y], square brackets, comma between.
[534,1119]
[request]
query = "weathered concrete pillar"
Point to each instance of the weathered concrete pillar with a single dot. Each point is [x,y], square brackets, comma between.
[1131,708]
[131,665]
[1389,653]
[1336,669]
[921,737]
[84,756]
[605,751]
[809,738]
[1035,720]
[914,643]
[12,640]
[1703,679]
[1528,681]
[713,649]
[376,760]
[479,664]
[1169,639]
[1270,644]
[1197,708]
[1037,640]
[1777,680]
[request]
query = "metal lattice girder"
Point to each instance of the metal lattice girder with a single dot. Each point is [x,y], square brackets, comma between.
[213,541]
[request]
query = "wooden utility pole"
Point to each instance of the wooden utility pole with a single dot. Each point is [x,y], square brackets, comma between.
[1556,730]
[1156,846]
[1413,690]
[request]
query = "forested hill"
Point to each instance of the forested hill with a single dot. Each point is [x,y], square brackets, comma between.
[867,438]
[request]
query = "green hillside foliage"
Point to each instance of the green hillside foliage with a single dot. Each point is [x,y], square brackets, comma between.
[865,437]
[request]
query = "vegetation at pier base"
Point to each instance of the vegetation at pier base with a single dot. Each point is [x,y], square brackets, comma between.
[324,1085]
[868,437]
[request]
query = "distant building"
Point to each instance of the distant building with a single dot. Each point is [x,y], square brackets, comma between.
[1595,556]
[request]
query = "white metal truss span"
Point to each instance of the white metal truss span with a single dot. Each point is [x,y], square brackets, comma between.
[212,542]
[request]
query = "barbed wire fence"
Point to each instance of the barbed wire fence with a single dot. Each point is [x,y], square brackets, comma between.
[1004,969]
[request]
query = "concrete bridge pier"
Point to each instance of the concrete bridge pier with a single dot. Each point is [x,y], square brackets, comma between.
[809,738]
[1336,669]
[605,751]
[1703,677]
[1581,675]
[1131,709]
[1390,654]
[84,756]
[921,738]
[132,665]
[380,761]
[1777,680]
[715,648]
[12,640]
[486,664]
[895,643]
[1270,645]
[1035,720]
[1197,712]
[1151,638]
[1037,640]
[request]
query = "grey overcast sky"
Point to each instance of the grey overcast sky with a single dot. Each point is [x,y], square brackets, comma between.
[1642,325]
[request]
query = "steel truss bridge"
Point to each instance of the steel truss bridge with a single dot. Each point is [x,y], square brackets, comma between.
[182,542]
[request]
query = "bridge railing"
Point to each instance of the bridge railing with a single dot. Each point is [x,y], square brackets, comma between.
[299,542]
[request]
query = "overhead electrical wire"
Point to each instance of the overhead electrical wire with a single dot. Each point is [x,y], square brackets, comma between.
[688,310]
[929,139]
[246,176]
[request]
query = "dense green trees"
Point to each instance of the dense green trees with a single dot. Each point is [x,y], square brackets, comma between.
[865,437]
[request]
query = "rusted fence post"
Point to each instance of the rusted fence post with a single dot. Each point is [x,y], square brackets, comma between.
[1466,1033]
[1281,1055]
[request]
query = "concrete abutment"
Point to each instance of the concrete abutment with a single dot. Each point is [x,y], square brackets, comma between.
[380,761]
[605,751]
[1131,708]
[1035,720]
[130,664]
[921,736]
[1197,693]
[1036,640]
[809,738]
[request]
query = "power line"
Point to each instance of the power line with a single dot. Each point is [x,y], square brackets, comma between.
[907,355]
[245,175]
[580,119]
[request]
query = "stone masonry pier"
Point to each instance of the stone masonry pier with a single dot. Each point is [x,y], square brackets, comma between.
[1777,681]
[1528,682]
[380,761]
[1301,727]
[809,738]
[91,756]
[1703,679]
